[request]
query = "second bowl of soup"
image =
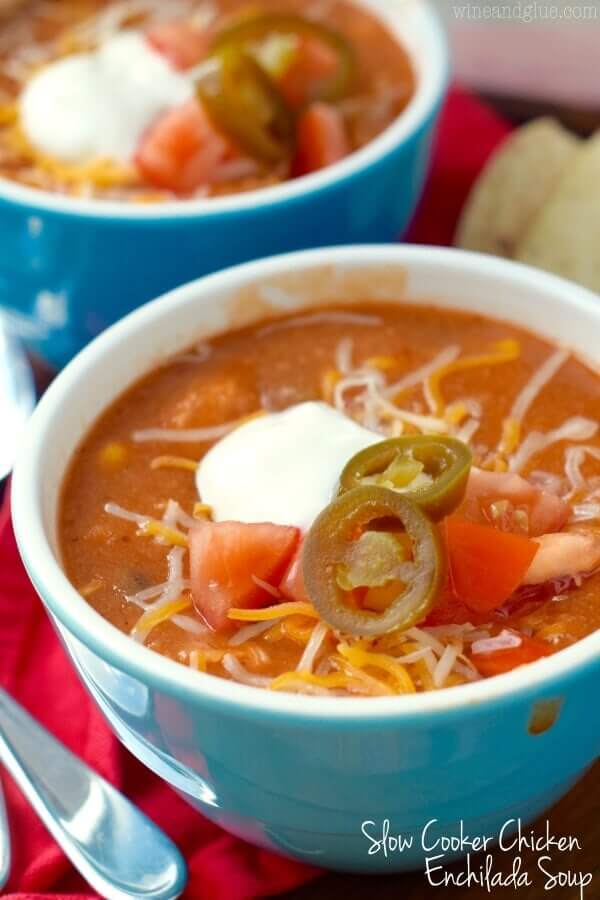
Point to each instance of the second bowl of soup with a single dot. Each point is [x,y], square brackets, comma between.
[336,561]
[143,145]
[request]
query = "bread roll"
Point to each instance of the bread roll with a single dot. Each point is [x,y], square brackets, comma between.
[514,186]
[564,237]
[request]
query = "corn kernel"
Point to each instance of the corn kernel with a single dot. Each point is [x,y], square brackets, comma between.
[113,455]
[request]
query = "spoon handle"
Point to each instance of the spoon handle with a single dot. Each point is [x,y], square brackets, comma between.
[4,844]
[119,852]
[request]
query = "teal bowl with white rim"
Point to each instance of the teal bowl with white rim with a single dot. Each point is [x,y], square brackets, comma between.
[300,774]
[70,267]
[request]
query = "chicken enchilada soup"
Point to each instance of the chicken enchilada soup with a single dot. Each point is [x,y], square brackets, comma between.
[144,100]
[359,501]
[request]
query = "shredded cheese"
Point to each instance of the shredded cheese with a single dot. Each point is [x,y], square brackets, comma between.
[585,512]
[273,612]
[193,435]
[456,413]
[253,654]
[327,317]
[574,459]
[374,686]
[445,665]
[425,638]
[424,669]
[113,509]
[511,427]
[297,629]
[375,404]
[194,661]
[420,376]
[191,625]
[237,671]
[91,587]
[344,356]
[328,382]
[502,352]
[249,632]
[427,424]
[250,417]
[142,598]
[359,381]
[467,432]
[153,617]
[180,517]
[511,435]
[265,586]
[102,173]
[292,680]
[577,428]
[537,383]
[184,435]
[203,511]
[311,651]
[201,657]
[172,536]
[174,462]
[383,363]
[361,658]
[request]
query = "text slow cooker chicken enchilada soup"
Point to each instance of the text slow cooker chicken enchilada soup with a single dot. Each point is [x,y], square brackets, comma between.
[146,101]
[359,501]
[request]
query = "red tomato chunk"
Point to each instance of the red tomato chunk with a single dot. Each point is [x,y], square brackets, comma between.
[229,560]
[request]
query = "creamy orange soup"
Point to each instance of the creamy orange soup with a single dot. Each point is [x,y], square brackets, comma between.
[516,541]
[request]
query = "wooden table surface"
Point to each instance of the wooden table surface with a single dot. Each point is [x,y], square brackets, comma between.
[578,815]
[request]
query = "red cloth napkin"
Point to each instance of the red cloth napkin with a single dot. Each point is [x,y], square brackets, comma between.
[35,670]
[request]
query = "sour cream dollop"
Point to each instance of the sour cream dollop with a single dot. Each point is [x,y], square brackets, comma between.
[99,104]
[282,467]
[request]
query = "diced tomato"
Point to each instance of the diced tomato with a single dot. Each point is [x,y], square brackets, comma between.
[292,586]
[182,44]
[499,661]
[182,150]
[486,565]
[544,512]
[313,62]
[225,559]
[321,139]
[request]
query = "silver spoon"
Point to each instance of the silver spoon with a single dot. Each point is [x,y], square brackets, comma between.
[17,396]
[119,852]
[17,400]
[4,844]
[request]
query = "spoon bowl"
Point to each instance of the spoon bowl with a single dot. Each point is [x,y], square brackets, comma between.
[119,852]
[5,852]
[17,397]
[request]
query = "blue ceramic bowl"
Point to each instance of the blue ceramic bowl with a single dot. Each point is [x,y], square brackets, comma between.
[70,267]
[302,774]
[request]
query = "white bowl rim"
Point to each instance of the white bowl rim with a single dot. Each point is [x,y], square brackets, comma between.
[117,648]
[420,108]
